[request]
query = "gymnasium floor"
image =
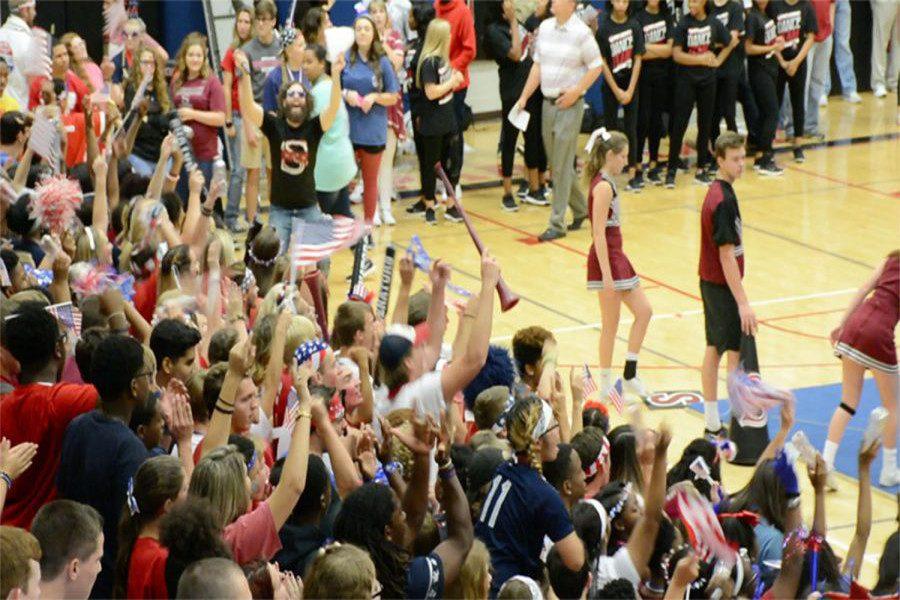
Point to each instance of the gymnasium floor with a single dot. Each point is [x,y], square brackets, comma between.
[811,237]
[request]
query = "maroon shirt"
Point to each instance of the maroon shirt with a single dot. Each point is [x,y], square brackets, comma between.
[207,95]
[720,224]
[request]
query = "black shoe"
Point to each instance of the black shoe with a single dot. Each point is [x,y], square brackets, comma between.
[575,225]
[703,178]
[536,198]
[509,203]
[670,180]
[654,176]
[523,190]
[417,208]
[759,162]
[551,234]
[680,164]
[799,157]
[770,169]
[452,214]
[430,216]
[635,184]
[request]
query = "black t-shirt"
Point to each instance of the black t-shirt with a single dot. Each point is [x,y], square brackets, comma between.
[760,30]
[294,152]
[513,74]
[154,126]
[696,37]
[620,44]
[793,22]
[657,29]
[437,116]
[416,95]
[731,15]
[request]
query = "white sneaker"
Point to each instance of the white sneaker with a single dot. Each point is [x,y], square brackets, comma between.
[880,91]
[635,386]
[889,478]
[853,98]
[458,191]
[357,193]
[376,220]
[823,101]
[387,217]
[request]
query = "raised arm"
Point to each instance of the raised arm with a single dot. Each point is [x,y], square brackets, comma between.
[334,100]
[641,541]
[250,110]
[817,474]
[777,442]
[856,553]
[460,532]
[239,360]
[346,478]
[100,209]
[272,379]
[407,274]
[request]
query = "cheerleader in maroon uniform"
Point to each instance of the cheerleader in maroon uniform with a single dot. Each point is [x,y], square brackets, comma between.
[865,340]
[608,269]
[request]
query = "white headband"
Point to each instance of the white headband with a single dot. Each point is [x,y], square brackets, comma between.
[532,585]
[604,516]
[544,423]
[90,237]
[602,133]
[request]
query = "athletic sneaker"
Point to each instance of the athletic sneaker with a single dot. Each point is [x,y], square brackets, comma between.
[823,100]
[452,214]
[635,184]
[356,196]
[430,217]
[759,162]
[799,157]
[654,176]
[889,478]
[509,203]
[670,180]
[523,190]
[417,208]
[538,198]
[853,98]
[880,91]
[703,178]
[770,169]
[635,386]
[716,436]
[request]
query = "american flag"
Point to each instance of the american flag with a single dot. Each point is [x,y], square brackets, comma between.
[590,387]
[68,315]
[615,395]
[312,241]
[703,527]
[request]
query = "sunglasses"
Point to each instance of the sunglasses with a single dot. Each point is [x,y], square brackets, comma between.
[295,93]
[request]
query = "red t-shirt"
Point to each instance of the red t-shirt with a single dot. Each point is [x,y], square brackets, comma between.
[73,84]
[207,95]
[147,570]
[228,65]
[720,224]
[76,137]
[39,413]
[823,18]
[145,296]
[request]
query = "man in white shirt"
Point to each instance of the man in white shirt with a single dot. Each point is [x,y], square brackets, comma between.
[16,42]
[567,61]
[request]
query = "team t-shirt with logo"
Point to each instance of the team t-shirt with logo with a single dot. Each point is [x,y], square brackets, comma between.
[720,224]
[696,37]
[656,29]
[294,152]
[204,94]
[761,31]
[793,22]
[731,15]
[262,58]
[620,44]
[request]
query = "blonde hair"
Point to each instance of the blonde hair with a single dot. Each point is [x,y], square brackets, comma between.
[339,571]
[299,330]
[135,75]
[236,41]
[616,143]
[181,71]
[436,44]
[220,478]
[523,418]
[87,244]
[475,570]
[76,65]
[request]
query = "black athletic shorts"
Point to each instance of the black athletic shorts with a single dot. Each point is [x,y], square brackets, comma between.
[723,322]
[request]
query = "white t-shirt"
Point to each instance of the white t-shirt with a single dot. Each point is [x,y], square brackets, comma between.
[617,566]
[425,392]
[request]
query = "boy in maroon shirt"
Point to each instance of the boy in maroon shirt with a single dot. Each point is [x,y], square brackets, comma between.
[726,310]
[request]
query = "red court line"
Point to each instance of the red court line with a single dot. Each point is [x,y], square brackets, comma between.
[803,314]
[840,181]
[794,331]
[698,367]
[576,251]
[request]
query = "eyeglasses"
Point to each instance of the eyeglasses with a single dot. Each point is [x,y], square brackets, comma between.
[295,93]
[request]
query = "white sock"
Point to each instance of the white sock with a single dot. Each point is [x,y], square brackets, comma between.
[711,411]
[631,356]
[606,373]
[889,465]
[829,452]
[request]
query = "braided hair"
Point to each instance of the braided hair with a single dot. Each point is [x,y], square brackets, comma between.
[521,422]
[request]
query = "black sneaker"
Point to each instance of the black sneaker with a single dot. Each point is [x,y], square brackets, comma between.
[759,163]
[523,190]
[670,180]
[654,176]
[417,208]
[452,214]
[509,203]
[681,164]
[635,184]
[799,157]
[770,169]
[703,178]
[551,234]
[430,217]
[538,198]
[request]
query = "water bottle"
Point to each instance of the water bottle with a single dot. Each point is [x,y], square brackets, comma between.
[219,175]
[183,139]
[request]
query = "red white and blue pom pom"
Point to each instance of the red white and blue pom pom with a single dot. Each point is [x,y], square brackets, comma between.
[56,202]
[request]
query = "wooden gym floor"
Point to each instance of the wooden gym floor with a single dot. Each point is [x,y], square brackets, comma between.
[811,238]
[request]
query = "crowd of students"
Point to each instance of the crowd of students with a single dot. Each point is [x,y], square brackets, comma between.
[182,418]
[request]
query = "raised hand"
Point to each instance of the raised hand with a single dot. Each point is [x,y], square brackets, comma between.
[490,269]
[240,359]
[15,460]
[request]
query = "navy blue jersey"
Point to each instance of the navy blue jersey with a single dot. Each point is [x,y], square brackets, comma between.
[519,510]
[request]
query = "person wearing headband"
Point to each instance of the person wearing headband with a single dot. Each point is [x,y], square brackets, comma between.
[521,507]
[593,450]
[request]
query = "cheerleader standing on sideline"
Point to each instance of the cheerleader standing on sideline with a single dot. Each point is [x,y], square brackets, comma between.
[762,43]
[654,85]
[795,21]
[865,340]
[621,43]
[697,37]
[731,15]
[608,269]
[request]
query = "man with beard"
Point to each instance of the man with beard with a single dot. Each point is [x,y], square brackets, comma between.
[294,141]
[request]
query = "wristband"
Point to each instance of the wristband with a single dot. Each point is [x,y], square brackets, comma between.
[447,474]
[225,402]
[304,413]
[172,178]
[224,411]
[5,477]
[446,465]
[206,212]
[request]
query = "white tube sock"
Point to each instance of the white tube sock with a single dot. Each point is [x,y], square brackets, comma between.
[829,452]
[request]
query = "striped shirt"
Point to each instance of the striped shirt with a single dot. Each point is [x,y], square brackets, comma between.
[565,52]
